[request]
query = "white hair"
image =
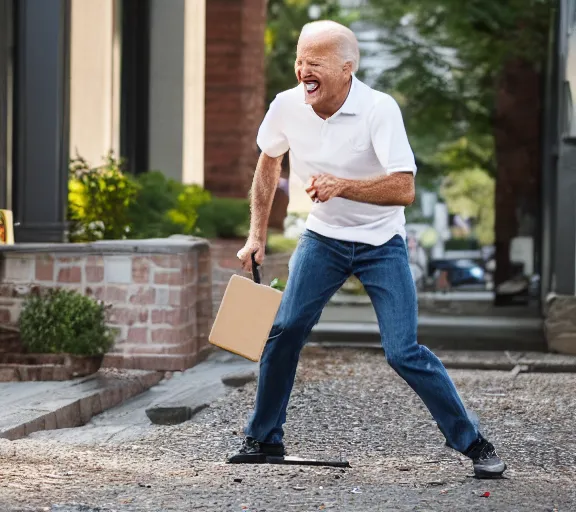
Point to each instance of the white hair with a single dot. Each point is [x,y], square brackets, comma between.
[347,42]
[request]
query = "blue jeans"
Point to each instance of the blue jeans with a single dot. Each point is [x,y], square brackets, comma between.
[318,268]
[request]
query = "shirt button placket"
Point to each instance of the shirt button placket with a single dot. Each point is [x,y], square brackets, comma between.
[324,129]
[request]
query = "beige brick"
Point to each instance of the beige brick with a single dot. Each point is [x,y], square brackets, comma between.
[140,270]
[19,269]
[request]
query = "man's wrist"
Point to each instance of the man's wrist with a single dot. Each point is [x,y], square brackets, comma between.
[258,238]
[343,187]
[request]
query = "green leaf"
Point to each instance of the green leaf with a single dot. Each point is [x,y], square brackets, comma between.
[65,321]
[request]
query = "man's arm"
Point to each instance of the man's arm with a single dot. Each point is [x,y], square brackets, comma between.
[397,189]
[262,193]
[394,190]
[261,197]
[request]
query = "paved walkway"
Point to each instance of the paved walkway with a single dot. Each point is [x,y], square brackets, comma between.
[345,403]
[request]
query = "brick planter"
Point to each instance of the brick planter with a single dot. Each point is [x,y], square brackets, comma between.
[159,291]
[225,264]
[44,367]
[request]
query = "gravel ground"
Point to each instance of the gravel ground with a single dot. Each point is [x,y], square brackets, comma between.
[345,403]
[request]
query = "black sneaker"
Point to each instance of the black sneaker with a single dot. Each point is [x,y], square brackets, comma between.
[486,462]
[254,452]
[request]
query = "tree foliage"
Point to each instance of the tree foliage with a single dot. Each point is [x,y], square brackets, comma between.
[470,194]
[449,55]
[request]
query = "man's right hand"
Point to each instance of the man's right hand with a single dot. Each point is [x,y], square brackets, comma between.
[245,254]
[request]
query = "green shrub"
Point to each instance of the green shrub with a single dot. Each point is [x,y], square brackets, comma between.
[278,284]
[165,207]
[64,321]
[149,212]
[224,218]
[99,199]
[280,244]
[186,212]
[105,203]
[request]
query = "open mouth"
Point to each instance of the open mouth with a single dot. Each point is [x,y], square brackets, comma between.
[311,86]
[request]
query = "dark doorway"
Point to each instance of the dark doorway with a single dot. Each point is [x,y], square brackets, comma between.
[6,55]
[135,84]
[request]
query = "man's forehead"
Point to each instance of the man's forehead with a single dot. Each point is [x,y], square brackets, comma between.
[317,43]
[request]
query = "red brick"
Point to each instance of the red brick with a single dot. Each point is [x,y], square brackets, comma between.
[143,296]
[68,259]
[94,274]
[70,275]
[173,278]
[95,260]
[176,297]
[174,317]
[183,349]
[113,361]
[108,293]
[167,335]
[8,375]
[140,270]
[138,335]
[128,316]
[167,261]
[235,92]
[4,316]
[44,269]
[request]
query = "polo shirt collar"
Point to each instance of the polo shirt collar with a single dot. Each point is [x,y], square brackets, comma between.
[352,104]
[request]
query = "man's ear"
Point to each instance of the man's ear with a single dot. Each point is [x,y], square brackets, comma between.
[348,68]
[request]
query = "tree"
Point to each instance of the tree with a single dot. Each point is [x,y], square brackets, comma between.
[472,71]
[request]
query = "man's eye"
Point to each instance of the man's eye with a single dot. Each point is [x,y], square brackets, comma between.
[314,64]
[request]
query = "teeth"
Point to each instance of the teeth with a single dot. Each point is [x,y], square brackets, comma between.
[311,86]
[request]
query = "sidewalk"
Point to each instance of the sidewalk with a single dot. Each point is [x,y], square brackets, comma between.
[29,407]
[345,403]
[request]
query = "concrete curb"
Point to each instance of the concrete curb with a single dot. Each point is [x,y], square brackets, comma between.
[501,366]
[79,405]
[504,361]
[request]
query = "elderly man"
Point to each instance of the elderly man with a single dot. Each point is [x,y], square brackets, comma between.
[349,144]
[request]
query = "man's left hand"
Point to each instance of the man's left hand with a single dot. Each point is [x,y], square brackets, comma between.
[324,187]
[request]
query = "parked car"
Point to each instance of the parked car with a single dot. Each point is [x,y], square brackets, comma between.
[460,272]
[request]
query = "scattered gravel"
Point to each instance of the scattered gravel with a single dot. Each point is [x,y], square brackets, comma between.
[345,403]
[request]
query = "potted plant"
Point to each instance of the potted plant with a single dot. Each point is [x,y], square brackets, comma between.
[65,328]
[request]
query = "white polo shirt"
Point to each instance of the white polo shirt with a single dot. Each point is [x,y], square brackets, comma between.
[366,138]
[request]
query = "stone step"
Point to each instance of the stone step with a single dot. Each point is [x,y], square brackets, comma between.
[470,333]
[446,304]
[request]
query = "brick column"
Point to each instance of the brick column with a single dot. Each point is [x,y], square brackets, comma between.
[235,91]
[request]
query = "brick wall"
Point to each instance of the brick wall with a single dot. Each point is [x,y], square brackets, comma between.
[235,93]
[225,265]
[159,290]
